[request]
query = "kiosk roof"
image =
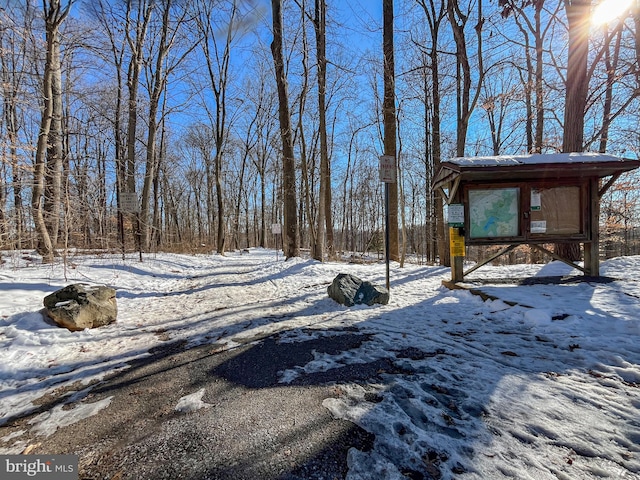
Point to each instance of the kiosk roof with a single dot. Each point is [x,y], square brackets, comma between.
[533,166]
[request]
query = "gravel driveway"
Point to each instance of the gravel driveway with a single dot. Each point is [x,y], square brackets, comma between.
[252,428]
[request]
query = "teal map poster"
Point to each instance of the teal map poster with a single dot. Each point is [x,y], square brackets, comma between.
[494,213]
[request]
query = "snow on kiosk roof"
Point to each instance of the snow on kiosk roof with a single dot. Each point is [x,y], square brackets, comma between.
[536,159]
[533,166]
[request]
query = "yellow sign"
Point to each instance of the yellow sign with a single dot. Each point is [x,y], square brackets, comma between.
[456,242]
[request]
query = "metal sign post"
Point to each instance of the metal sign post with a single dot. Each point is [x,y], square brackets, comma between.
[386,233]
[387,171]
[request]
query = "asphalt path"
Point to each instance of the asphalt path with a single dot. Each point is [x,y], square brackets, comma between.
[253,427]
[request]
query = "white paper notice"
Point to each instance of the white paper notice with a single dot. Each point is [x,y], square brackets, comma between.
[539,226]
[536,201]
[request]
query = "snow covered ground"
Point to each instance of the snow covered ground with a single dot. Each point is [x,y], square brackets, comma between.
[547,388]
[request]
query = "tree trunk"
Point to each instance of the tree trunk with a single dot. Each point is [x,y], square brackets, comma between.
[157,74]
[263,210]
[636,23]
[389,120]
[324,201]
[307,171]
[465,102]
[54,15]
[9,93]
[611,66]
[325,167]
[539,80]
[440,230]
[248,148]
[150,174]
[217,60]
[291,243]
[578,14]
[210,177]
[117,47]
[221,227]
[133,76]
[53,168]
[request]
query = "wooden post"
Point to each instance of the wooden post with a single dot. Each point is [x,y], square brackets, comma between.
[456,248]
[457,241]
[592,246]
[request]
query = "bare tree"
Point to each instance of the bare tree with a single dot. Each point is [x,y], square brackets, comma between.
[14,42]
[110,22]
[247,147]
[195,148]
[137,22]
[217,55]
[291,234]
[48,159]
[498,101]
[308,207]
[323,215]
[325,158]
[264,104]
[533,78]
[55,152]
[200,140]
[158,71]
[118,91]
[157,78]
[614,71]
[435,13]
[577,85]
[611,60]
[466,102]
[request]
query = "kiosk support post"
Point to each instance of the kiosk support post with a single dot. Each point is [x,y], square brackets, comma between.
[592,246]
[456,247]
[455,214]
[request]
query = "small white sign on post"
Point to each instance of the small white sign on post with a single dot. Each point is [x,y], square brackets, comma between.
[455,214]
[129,202]
[387,168]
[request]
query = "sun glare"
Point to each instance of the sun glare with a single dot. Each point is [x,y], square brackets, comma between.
[609,10]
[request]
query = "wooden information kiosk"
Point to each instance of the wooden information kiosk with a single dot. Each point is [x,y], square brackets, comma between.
[527,199]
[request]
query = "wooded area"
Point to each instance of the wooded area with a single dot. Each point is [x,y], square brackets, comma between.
[198,125]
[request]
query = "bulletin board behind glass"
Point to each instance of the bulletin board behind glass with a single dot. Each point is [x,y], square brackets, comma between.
[556,211]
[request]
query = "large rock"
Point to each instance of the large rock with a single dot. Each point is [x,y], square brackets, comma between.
[349,290]
[79,306]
